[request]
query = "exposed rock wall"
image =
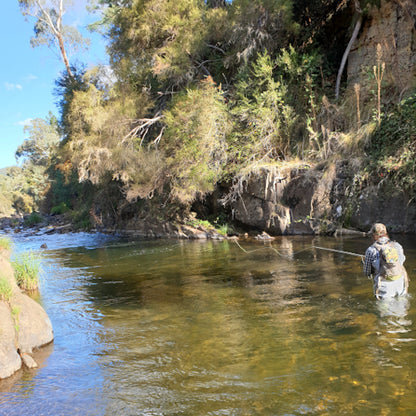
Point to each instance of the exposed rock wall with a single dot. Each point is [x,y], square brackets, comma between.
[317,200]
[392,25]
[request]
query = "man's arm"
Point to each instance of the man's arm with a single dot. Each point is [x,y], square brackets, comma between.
[368,259]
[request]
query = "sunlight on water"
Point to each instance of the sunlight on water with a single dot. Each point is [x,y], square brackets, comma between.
[205,328]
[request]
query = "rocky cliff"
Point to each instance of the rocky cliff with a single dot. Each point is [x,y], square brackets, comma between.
[317,200]
[393,27]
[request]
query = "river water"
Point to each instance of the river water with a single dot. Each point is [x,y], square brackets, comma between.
[172,327]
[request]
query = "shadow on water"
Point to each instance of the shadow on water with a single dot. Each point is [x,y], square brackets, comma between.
[206,328]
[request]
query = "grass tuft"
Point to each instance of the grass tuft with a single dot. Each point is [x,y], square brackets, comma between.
[5,243]
[5,289]
[27,271]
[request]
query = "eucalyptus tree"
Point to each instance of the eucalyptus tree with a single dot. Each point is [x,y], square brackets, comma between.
[50,29]
[42,142]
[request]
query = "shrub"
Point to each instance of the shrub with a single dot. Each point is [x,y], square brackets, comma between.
[27,270]
[59,209]
[33,219]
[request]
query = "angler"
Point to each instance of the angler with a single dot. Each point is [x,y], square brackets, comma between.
[384,260]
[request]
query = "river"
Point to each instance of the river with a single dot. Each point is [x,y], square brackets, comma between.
[170,327]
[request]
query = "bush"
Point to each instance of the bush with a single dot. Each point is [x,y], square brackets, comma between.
[392,147]
[33,219]
[81,219]
[59,209]
[27,270]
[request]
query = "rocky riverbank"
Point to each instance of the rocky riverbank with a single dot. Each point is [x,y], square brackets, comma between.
[24,325]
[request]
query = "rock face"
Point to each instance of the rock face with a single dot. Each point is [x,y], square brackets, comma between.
[24,325]
[317,201]
[392,25]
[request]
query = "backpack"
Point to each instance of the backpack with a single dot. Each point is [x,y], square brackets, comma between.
[390,266]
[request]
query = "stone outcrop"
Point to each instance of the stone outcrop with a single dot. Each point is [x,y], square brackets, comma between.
[392,26]
[317,201]
[24,325]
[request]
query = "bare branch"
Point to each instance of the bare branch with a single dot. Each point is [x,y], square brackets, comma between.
[142,128]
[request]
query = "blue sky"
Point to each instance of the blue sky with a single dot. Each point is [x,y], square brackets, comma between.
[27,75]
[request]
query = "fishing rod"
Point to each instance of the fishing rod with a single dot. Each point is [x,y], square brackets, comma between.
[339,251]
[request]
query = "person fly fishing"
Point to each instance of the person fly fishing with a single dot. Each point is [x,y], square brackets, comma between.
[384,260]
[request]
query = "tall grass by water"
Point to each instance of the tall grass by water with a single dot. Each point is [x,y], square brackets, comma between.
[5,243]
[27,270]
[5,289]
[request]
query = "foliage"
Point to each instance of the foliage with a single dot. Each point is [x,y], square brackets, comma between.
[42,142]
[393,147]
[264,118]
[198,93]
[31,181]
[33,219]
[6,199]
[27,269]
[170,39]
[81,218]
[5,289]
[49,28]
[59,209]
[194,142]
[256,26]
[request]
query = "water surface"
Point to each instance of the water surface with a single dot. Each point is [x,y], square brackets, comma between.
[173,327]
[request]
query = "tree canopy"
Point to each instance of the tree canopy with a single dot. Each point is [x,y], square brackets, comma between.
[196,92]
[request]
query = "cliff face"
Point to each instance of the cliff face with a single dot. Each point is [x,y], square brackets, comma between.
[393,27]
[314,201]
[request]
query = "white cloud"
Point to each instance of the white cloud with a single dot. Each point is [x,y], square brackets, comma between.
[30,77]
[25,122]
[11,87]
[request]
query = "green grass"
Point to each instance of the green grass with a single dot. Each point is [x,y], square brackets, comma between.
[6,243]
[27,271]
[5,289]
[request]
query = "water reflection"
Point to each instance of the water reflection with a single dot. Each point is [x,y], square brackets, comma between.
[206,328]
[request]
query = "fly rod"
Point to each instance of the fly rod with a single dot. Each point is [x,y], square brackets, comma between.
[339,251]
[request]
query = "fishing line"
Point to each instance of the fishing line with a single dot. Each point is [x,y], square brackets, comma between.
[297,252]
[273,249]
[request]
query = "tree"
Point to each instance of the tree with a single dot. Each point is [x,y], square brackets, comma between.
[49,28]
[42,142]
[263,117]
[195,141]
[354,35]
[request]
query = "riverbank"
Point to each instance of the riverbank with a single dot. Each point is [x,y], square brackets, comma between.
[59,224]
[24,325]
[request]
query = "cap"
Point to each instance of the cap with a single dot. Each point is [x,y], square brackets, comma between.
[378,229]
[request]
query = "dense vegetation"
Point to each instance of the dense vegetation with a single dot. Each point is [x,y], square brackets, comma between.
[197,94]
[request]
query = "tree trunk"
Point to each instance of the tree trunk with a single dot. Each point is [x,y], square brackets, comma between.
[64,56]
[346,53]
